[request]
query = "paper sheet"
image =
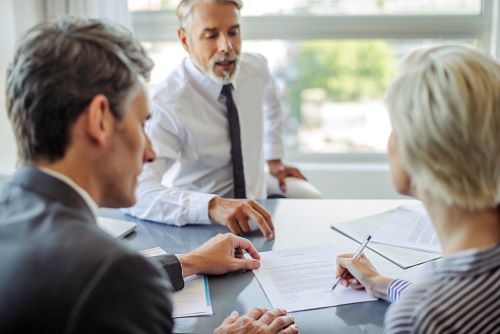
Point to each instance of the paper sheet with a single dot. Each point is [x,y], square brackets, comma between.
[301,279]
[194,299]
[408,227]
[402,256]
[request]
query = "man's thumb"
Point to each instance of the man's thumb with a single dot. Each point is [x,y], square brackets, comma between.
[248,264]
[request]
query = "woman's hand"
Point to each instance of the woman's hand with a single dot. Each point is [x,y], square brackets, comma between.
[361,274]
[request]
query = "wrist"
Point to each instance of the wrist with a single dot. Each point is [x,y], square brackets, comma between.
[275,166]
[212,205]
[379,286]
[188,264]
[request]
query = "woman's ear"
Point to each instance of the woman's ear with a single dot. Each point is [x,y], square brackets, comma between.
[400,177]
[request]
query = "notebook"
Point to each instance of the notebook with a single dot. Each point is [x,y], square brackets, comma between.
[116,228]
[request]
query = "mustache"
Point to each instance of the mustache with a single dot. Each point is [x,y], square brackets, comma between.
[224,58]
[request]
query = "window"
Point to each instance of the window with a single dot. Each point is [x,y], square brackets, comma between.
[333,59]
[334,7]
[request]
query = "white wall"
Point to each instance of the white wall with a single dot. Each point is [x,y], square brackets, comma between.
[27,14]
[7,45]
[16,16]
[350,181]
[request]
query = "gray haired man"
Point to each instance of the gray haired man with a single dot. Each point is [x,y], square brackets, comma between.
[77,103]
[218,118]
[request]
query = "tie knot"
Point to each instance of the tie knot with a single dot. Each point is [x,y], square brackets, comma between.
[227,90]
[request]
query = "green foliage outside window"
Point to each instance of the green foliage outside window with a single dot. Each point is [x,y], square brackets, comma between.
[346,70]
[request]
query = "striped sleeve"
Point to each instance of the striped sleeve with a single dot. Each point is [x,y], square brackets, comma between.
[395,288]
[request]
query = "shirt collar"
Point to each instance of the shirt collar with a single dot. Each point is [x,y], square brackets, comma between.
[471,261]
[85,195]
[203,81]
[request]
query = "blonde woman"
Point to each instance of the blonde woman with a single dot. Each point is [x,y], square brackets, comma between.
[445,150]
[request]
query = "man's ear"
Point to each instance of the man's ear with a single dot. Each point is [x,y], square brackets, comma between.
[100,120]
[181,33]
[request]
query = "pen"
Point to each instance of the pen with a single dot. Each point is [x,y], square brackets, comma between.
[354,257]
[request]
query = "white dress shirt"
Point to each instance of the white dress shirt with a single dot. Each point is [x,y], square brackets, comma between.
[190,134]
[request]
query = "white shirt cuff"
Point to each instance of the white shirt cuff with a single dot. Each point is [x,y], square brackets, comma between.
[198,208]
[273,152]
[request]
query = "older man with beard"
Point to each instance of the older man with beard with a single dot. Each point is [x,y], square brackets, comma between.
[218,116]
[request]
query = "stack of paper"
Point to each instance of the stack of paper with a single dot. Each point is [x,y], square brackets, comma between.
[194,299]
[404,236]
[302,279]
[408,227]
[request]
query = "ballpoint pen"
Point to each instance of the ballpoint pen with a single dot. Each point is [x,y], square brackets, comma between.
[354,257]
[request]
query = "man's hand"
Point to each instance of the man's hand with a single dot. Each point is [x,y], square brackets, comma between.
[235,213]
[258,321]
[219,255]
[282,171]
[361,274]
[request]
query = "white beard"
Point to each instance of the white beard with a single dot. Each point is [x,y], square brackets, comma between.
[227,77]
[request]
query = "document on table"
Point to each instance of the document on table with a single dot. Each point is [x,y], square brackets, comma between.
[394,242]
[302,279]
[194,299]
[408,227]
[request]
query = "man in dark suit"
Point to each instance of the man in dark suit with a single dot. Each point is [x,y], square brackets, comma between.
[77,102]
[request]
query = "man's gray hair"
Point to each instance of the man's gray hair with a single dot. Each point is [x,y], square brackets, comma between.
[58,68]
[185,8]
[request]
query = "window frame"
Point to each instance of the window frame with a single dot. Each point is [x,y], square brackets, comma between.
[156,26]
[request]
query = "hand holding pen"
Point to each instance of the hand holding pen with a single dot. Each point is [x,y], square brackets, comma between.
[358,272]
[356,256]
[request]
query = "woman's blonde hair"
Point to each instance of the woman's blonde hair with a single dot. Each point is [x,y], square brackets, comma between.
[445,110]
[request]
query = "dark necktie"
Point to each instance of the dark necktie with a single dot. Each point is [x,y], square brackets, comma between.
[234,134]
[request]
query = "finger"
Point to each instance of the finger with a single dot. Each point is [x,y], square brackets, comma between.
[292,329]
[299,175]
[233,226]
[348,276]
[245,245]
[243,222]
[269,316]
[231,318]
[344,262]
[264,213]
[281,180]
[294,172]
[256,312]
[244,264]
[257,217]
[358,286]
[239,253]
[345,255]
[340,271]
[362,257]
[353,281]
[280,323]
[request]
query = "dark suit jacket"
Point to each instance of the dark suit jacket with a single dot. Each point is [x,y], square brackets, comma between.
[59,273]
